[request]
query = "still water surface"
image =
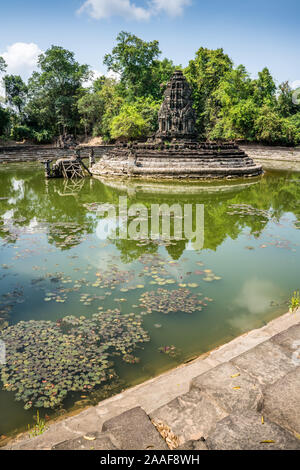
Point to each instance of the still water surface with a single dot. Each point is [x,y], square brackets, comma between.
[53,265]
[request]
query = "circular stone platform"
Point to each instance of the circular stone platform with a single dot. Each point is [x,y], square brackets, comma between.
[183,160]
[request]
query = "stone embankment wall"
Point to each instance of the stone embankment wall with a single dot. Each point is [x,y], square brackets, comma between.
[267,155]
[36,153]
[260,152]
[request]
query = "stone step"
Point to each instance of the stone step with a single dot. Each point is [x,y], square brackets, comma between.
[184,162]
[247,431]
[195,171]
[266,363]
[193,165]
[187,155]
[91,441]
[230,388]
[190,416]
[282,401]
[133,430]
[180,166]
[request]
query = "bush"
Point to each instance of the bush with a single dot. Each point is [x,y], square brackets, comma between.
[129,124]
[20,132]
[42,137]
[270,128]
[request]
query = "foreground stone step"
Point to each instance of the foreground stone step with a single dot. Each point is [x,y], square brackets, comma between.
[282,401]
[133,430]
[289,340]
[245,431]
[190,416]
[91,441]
[230,388]
[267,363]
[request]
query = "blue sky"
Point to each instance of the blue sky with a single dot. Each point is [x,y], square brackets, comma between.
[256,33]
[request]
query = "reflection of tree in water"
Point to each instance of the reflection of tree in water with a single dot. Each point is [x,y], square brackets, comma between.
[278,193]
[60,207]
[63,218]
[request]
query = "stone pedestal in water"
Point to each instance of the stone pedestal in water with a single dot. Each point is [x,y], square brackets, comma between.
[173,152]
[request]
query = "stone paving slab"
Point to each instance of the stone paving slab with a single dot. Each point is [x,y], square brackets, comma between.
[91,441]
[190,416]
[289,340]
[245,431]
[282,401]
[267,363]
[231,388]
[133,430]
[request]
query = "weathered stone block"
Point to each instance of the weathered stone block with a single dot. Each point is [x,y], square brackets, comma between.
[267,363]
[229,387]
[282,401]
[190,416]
[289,340]
[92,441]
[246,432]
[133,430]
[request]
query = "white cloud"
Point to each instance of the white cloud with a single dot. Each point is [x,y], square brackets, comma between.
[21,58]
[100,9]
[171,7]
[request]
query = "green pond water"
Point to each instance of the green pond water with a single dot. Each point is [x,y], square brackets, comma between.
[135,308]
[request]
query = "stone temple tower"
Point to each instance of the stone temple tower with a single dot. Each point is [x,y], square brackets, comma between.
[176,117]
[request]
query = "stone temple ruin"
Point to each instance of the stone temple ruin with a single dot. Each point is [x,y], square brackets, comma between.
[174,152]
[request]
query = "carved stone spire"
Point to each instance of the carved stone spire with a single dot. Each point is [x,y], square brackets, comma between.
[176,117]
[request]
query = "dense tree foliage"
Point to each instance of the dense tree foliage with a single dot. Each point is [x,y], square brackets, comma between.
[229,103]
[137,64]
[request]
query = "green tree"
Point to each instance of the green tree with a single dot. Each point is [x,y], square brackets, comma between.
[91,109]
[113,101]
[285,104]
[15,91]
[264,88]
[55,90]
[234,111]
[132,58]
[205,73]
[137,62]
[135,120]
[271,128]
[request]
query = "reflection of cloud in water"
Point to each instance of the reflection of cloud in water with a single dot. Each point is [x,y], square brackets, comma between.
[7,216]
[107,228]
[256,296]
[254,299]
[18,186]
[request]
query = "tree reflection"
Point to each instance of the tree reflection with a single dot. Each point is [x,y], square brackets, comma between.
[57,207]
